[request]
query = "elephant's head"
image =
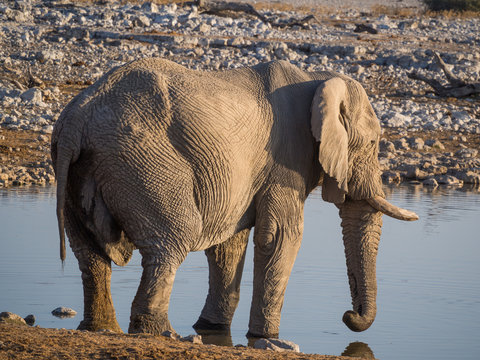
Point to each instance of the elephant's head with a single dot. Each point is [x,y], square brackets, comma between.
[345,125]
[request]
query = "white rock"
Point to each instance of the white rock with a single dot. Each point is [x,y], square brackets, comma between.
[467,153]
[276,345]
[45,55]
[64,312]
[395,119]
[141,21]
[32,96]
[460,116]
[196,339]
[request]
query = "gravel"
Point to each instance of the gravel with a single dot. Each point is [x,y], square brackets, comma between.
[50,50]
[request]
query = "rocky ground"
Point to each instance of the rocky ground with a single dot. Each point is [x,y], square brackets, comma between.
[50,50]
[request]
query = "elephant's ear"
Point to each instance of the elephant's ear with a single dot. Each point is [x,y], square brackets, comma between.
[328,128]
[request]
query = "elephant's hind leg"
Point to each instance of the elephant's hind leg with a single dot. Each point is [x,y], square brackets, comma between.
[98,310]
[225,263]
[150,306]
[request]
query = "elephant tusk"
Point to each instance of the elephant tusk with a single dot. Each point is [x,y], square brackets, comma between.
[385,207]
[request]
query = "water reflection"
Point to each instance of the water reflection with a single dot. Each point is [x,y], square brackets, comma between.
[358,349]
[222,338]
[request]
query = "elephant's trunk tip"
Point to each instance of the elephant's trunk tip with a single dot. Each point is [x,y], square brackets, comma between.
[357,322]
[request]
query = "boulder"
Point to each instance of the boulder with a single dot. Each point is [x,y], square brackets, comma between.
[468,177]
[30,319]
[448,180]
[467,153]
[64,312]
[11,318]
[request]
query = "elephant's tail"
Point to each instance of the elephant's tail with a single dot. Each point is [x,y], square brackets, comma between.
[65,149]
[63,164]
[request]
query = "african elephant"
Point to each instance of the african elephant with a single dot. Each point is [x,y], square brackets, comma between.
[167,160]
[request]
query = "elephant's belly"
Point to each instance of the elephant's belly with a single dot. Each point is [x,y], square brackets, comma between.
[213,235]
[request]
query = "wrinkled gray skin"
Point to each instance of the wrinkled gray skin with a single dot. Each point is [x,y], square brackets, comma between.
[169,160]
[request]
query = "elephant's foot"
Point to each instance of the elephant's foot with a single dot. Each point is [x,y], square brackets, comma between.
[265,335]
[150,324]
[204,325]
[96,325]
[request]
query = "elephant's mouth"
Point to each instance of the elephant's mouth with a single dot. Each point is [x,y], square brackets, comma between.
[382,205]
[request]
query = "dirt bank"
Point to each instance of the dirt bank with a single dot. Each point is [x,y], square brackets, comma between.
[24,342]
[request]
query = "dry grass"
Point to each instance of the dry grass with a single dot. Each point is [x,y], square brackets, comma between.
[453,14]
[394,11]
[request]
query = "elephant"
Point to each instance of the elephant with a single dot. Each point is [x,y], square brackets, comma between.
[169,160]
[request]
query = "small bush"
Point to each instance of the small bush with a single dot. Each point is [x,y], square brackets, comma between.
[455,5]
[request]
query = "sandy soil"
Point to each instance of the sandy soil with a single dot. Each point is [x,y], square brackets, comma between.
[25,342]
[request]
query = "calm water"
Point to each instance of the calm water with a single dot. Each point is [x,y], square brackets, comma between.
[429,292]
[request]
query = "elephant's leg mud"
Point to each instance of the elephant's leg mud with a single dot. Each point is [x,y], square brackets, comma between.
[277,238]
[150,306]
[225,263]
[98,310]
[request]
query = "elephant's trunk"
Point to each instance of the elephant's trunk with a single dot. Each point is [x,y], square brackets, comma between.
[361,226]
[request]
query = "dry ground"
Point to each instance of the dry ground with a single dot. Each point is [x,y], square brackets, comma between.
[25,342]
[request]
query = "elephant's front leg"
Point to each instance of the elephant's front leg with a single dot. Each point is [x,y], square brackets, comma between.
[277,239]
[150,306]
[225,262]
